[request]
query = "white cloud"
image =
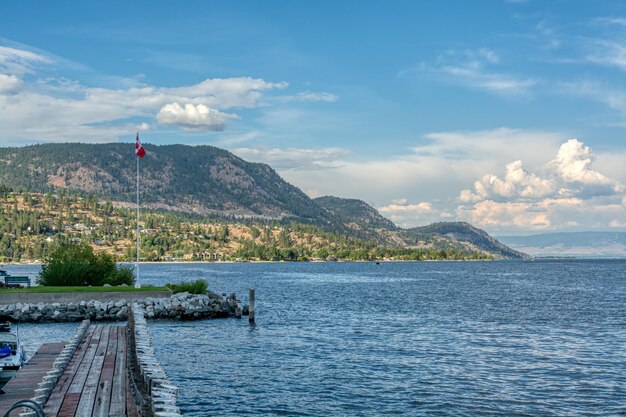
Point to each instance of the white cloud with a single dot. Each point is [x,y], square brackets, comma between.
[37,104]
[423,207]
[20,61]
[144,127]
[310,97]
[193,117]
[9,84]
[516,215]
[436,167]
[476,77]
[67,109]
[57,109]
[517,182]
[573,165]
[400,201]
[219,93]
[620,21]
[610,96]
[570,192]
[408,215]
[294,158]
[534,192]
[499,144]
[607,52]
[568,174]
[472,68]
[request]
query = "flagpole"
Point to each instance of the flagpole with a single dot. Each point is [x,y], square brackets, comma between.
[137,285]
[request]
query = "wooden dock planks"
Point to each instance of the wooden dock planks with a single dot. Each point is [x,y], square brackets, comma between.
[103,396]
[96,382]
[22,385]
[88,397]
[120,377]
[56,398]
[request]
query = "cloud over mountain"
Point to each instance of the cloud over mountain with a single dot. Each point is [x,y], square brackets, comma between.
[568,192]
[569,174]
[193,117]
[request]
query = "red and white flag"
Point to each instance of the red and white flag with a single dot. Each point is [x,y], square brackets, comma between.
[139,150]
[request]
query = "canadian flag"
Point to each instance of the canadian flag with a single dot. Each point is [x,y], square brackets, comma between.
[139,150]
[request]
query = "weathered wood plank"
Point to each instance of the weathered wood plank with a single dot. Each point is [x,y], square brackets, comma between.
[56,398]
[120,377]
[72,396]
[103,396]
[88,394]
[70,402]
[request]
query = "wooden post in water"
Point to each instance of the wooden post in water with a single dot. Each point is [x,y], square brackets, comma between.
[251,308]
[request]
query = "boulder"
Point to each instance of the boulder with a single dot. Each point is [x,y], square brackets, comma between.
[122,314]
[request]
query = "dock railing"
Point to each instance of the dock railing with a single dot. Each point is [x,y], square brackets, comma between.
[155,393]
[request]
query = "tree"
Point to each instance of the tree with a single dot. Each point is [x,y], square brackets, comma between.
[283,239]
[223,233]
[77,265]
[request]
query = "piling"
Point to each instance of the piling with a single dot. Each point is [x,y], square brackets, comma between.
[251,316]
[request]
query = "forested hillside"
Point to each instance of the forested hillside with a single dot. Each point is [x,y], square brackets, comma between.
[57,186]
[32,225]
[463,232]
[200,179]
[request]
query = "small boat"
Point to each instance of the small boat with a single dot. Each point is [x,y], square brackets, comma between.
[12,354]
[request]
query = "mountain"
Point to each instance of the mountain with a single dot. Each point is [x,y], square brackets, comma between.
[199,179]
[355,212]
[359,219]
[462,234]
[579,244]
[206,180]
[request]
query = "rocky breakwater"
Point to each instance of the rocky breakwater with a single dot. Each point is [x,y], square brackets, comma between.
[181,306]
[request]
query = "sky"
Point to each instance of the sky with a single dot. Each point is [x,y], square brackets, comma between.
[509,114]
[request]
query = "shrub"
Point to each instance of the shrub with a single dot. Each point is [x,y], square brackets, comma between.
[77,265]
[121,275]
[198,286]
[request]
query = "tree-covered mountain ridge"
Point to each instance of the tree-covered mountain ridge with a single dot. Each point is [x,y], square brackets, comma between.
[209,181]
[199,179]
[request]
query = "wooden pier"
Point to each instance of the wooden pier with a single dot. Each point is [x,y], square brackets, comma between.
[96,381]
[22,386]
[105,370]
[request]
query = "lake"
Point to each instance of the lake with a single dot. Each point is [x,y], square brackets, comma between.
[507,338]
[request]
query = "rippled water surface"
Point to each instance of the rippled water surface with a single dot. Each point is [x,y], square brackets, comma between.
[410,339]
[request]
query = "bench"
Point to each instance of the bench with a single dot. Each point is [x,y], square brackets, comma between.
[16,281]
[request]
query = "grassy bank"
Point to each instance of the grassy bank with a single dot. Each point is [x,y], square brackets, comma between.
[44,290]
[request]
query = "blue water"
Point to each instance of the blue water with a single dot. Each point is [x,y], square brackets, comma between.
[411,339]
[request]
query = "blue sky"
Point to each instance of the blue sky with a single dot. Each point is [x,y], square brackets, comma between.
[421,109]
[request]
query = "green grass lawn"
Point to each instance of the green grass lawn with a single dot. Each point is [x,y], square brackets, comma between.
[78,289]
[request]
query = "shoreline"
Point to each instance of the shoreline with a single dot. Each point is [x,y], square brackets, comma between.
[295,262]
